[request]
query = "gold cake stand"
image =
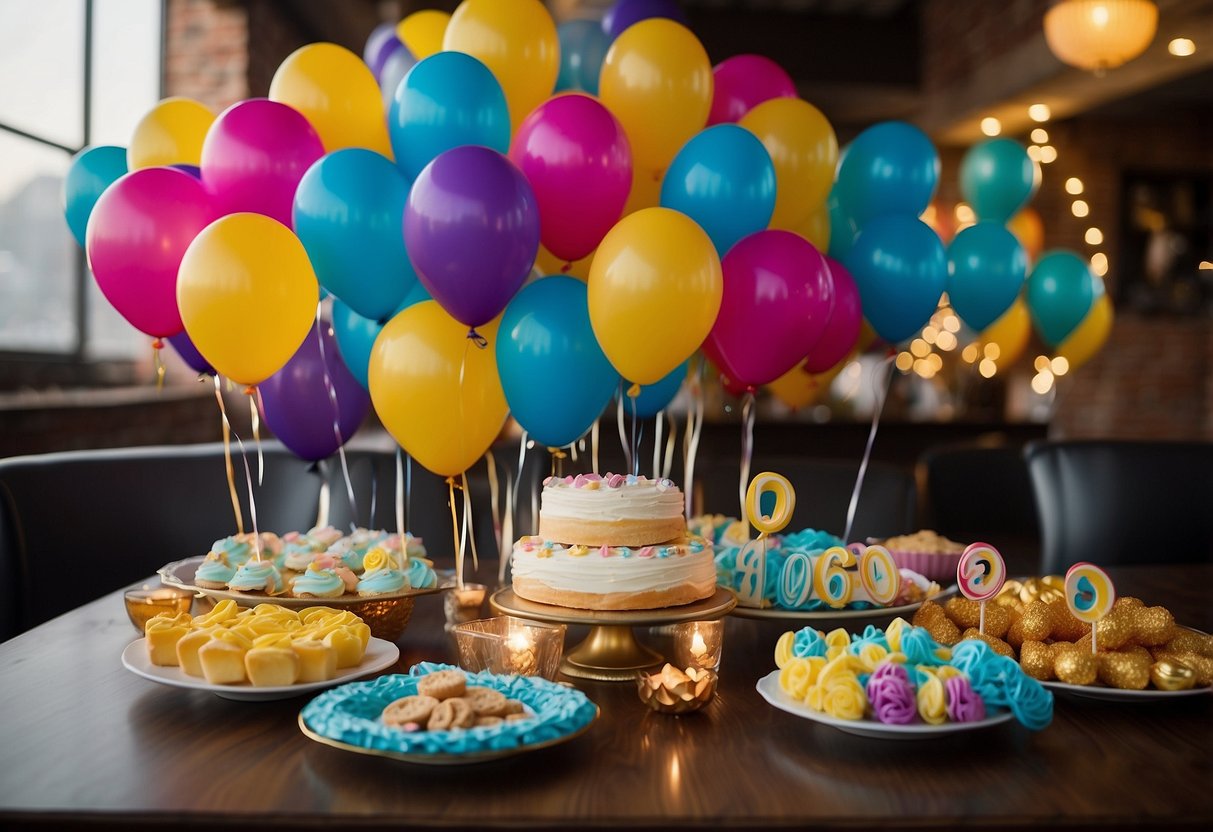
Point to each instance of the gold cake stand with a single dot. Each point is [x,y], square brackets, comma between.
[611,653]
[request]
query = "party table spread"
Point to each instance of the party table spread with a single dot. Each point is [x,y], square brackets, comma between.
[85,742]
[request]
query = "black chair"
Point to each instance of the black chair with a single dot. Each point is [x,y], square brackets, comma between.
[1122,502]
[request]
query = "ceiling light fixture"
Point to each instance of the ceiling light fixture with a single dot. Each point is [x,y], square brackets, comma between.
[1100,34]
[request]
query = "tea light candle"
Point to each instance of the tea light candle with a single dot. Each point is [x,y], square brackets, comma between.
[521,649]
[699,644]
[146,603]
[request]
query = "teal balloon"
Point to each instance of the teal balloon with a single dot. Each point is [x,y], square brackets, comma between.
[555,377]
[723,178]
[583,46]
[901,270]
[655,398]
[997,178]
[447,100]
[987,266]
[356,335]
[890,168]
[842,229]
[348,213]
[1061,291]
[92,171]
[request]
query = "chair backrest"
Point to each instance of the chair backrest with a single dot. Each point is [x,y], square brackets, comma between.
[1112,501]
[978,491]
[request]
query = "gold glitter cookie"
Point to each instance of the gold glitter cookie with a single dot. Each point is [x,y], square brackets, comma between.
[966,614]
[931,617]
[443,684]
[998,645]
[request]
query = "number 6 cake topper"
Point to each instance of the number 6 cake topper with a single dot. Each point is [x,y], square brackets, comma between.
[752,559]
[980,575]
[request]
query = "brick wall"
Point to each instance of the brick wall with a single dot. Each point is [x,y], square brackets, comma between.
[207,51]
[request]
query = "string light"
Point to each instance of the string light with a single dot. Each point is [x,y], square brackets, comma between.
[987,368]
[1040,135]
[992,351]
[1074,186]
[1060,365]
[1099,263]
[991,126]
[1080,208]
[919,348]
[1041,363]
[970,353]
[1048,154]
[964,213]
[1181,47]
[1042,382]
[1034,152]
[1093,236]
[904,361]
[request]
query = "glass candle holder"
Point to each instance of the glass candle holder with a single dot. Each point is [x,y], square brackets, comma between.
[509,645]
[699,644]
[147,602]
[463,605]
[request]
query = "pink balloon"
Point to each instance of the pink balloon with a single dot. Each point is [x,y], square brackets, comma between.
[742,83]
[137,234]
[842,329]
[254,156]
[778,295]
[576,156]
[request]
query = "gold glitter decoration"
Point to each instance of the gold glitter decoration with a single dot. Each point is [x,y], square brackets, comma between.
[1128,601]
[965,614]
[996,644]
[1037,621]
[1114,630]
[1172,674]
[1128,671]
[671,691]
[1191,642]
[935,621]
[1036,658]
[1073,665]
[1065,626]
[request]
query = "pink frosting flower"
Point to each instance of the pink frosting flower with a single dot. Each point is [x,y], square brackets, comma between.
[891,695]
[964,705]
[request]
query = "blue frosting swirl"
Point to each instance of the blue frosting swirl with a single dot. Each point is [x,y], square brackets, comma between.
[420,574]
[808,642]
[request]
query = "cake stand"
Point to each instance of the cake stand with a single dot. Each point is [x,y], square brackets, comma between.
[611,653]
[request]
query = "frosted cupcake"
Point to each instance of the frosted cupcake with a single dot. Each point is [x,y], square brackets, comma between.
[257,575]
[420,573]
[382,576]
[353,547]
[214,572]
[237,548]
[318,582]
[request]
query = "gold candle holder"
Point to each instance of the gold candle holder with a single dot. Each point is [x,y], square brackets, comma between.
[147,602]
[463,604]
[511,646]
[672,691]
[699,644]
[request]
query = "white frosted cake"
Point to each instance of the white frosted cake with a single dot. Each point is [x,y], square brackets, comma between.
[614,510]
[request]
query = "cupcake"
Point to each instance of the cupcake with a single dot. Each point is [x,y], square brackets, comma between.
[214,572]
[420,573]
[927,553]
[237,547]
[318,582]
[257,575]
[382,576]
[353,547]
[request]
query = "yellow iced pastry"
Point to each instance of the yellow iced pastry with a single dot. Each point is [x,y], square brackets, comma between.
[272,662]
[162,632]
[222,658]
[187,650]
[222,611]
[317,660]
[346,645]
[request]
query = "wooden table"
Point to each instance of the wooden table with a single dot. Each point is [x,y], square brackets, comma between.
[85,742]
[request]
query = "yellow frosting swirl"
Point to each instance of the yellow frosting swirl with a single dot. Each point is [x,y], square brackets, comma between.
[932,700]
[378,558]
[225,609]
[842,697]
[892,633]
[783,649]
[798,676]
[870,655]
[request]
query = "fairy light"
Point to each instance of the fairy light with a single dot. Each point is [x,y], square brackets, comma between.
[970,353]
[904,361]
[946,341]
[919,348]
[1040,113]
[951,323]
[930,334]
[965,214]
[1080,208]
[1099,263]
[1093,236]
[1048,154]
[987,368]
[991,126]
[1041,363]
[1042,382]
[992,351]
[1074,186]
[935,362]
[1040,136]
[1034,152]
[1181,47]
[1060,365]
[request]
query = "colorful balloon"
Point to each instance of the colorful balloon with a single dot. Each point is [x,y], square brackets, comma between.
[356,335]
[654,292]
[890,168]
[583,46]
[799,388]
[1061,290]
[576,157]
[816,228]
[139,230]
[247,295]
[313,405]
[545,333]
[778,295]
[625,13]
[724,180]
[986,270]
[381,43]
[394,69]
[1088,338]
[657,80]
[548,263]
[842,228]
[189,353]
[841,331]
[997,178]
[516,41]
[804,151]
[742,82]
[901,270]
[1010,334]
[422,32]
[254,156]
[1030,229]
[471,227]
[423,355]
[337,93]
[448,100]
[169,133]
[657,397]
[349,212]
[92,171]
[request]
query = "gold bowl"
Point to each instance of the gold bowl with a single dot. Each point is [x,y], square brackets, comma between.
[672,691]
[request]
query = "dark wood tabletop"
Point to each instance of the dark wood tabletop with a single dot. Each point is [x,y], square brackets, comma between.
[84,742]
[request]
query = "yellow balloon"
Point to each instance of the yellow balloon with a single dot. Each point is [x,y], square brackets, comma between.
[657,80]
[516,40]
[247,295]
[654,291]
[337,94]
[804,150]
[548,263]
[170,133]
[1029,229]
[799,388]
[645,193]
[1009,334]
[816,229]
[424,355]
[422,32]
[1090,335]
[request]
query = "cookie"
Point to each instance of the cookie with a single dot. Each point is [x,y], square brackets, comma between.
[452,713]
[488,721]
[486,701]
[409,710]
[513,706]
[443,684]
[516,716]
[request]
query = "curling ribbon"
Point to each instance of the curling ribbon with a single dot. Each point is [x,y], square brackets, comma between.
[594,447]
[332,394]
[450,485]
[494,498]
[324,500]
[227,457]
[635,455]
[401,529]
[252,503]
[158,345]
[867,451]
[254,399]
[507,531]
[518,480]
[657,447]
[623,433]
[747,447]
[469,527]
[694,430]
[477,339]
[670,442]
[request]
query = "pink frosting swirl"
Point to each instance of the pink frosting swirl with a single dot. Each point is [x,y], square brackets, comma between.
[891,695]
[964,705]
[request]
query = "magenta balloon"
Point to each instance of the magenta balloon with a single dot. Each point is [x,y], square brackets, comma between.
[842,329]
[778,296]
[742,82]
[137,234]
[576,156]
[254,156]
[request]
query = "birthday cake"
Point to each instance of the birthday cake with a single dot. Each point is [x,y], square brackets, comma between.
[612,542]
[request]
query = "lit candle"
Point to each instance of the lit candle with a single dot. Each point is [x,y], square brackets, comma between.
[698,648]
[521,647]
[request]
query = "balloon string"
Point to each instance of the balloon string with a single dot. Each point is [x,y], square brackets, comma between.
[227,457]
[158,345]
[469,527]
[477,339]
[494,498]
[573,454]
[401,529]
[252,503]
[254,399]
[670,443]
[867,451]
[694,431]
[322,504]
[370,520]
[507,532]
[747,448]
[450,484]
[657,447]
[535,502]
[518,482]
[408,491]
[594,447]
[623,434]
[332,395]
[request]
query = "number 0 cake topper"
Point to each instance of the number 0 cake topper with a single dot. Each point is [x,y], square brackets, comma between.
[1089,595]
[785,503]
[980,574]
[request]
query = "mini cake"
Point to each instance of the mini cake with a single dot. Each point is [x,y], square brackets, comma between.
[215,571]
[257,575]
[614,510]
[353,547]
[382,576]
[318,582]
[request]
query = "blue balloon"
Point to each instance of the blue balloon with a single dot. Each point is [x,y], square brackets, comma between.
[987,266]
[997,178]
[1061,291]
[546,343]
[723,179]
[842,229]
[890,168]
[447,100]
[92,171]
[901,271]
[348,213]
[655,398]
[356,335]
[583,46]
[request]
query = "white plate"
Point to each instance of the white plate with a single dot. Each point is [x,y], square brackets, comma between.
[1119,695]
[774,613]
[768,687]
[379,654]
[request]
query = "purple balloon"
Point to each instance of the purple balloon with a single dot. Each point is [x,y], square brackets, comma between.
[381,43]
[254,156]
[297,401]
[842,329]
[624,13]
[189,353]
[471,228]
